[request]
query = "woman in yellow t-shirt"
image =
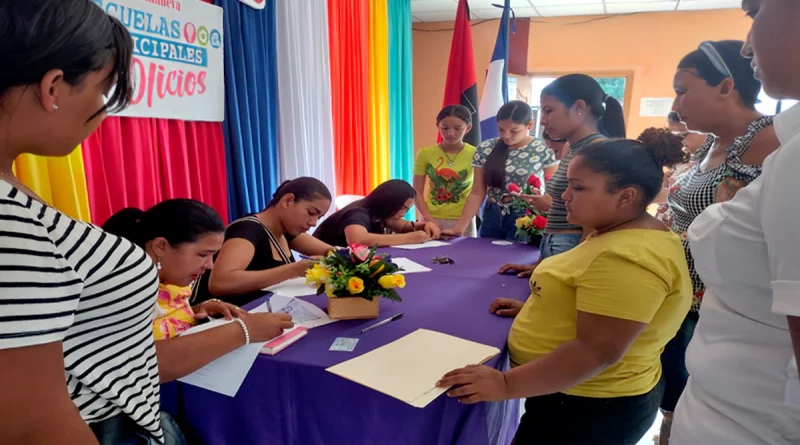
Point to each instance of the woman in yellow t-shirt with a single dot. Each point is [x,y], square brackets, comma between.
[585,347]
[447,168]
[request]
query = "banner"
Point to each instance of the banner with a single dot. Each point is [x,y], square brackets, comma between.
[177,58]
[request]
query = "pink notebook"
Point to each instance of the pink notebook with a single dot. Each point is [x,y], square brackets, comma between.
[284,340]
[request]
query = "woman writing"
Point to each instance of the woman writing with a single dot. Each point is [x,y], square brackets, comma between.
[586,343]
[716,94]
[367,221]
[76,342]
[257,252]
[575,108]
[447,169]
[181,236]
[744,386]
[510,159]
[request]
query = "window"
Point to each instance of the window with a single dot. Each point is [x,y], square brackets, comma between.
[768,105]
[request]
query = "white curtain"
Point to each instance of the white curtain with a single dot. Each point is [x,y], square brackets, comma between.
[304,91]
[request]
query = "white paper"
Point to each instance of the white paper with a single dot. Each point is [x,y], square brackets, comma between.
[303,313]
[425,245]
[296,287]
[225,374]
[410,266]
[655,106]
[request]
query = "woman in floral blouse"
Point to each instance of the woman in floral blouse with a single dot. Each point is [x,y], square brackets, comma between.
[716,94]
[510,159]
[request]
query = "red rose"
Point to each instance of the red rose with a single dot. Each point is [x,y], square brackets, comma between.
[534,181]
[514,188]
[539,222]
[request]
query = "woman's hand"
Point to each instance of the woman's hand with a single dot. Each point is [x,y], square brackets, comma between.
[475,384]
[417,237]
[300,267]
[264,326]
[522,270]
[506,307]
[432,229]
[455,232]
[216,307]
[541,203]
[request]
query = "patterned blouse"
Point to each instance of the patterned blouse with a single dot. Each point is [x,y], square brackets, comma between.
[696,190]
[520,164]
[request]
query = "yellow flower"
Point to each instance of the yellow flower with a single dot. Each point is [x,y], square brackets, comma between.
[399,280]
[523,222]
[317,274]
[329,291]
[355,285]
[387,282]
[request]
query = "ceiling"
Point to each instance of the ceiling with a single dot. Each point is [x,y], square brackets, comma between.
[445,10]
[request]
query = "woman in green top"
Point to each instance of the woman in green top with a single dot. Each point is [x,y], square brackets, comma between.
[510,159]
[448,167]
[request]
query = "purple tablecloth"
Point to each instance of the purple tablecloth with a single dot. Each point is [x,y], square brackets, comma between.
[290,399]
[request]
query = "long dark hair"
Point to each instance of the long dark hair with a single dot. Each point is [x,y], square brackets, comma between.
[458,111]
[736,66]
[494,172]
[303,189]
[383,202]
[606,110]
[178,221]
[638,163]
[75,36]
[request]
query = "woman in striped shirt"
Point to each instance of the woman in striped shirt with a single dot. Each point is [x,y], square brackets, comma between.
[76,341]
[575,108]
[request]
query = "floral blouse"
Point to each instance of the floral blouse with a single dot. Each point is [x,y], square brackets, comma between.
[696,190]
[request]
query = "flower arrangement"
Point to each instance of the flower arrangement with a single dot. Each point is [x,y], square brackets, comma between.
[356,271]
[531,225]
[532,187]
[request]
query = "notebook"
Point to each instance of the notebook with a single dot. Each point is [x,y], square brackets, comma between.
[408,369]
[283,341]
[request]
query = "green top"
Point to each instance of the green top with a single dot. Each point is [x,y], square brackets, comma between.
[450,177]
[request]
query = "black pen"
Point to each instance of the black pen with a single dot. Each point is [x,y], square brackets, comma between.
[381,323]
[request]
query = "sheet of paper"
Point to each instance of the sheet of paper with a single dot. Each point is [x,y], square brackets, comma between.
[408,369]
[225,374]
[425,245]
[296,287]
[410,266]
[303,313]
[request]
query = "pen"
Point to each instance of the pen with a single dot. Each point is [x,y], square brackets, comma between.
[381,323]
[269,305]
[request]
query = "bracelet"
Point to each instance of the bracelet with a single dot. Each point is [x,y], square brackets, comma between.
[244,328]
[211,300]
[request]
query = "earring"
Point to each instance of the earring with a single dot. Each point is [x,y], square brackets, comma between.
[55,107]
[580,114]
[158,264]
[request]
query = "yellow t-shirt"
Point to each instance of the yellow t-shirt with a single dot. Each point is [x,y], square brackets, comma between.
[637,274]
[450,178]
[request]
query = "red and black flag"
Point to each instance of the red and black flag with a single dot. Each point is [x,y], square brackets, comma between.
[461,86]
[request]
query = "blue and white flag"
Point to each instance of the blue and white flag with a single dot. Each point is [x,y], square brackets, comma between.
[495,90]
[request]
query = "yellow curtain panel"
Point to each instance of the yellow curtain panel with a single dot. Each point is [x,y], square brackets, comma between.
[378,92]
[59,181]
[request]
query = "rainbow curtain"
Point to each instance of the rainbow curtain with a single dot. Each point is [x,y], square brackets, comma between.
[369,44]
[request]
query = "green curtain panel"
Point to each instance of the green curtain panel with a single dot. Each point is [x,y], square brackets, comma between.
[401,112]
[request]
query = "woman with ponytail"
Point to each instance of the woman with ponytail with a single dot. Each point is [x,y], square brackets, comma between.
[181,236]
[587,342]
[257,252]
[512,158]
[575,108]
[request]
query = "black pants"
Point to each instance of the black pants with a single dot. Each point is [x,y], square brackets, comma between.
[560,419]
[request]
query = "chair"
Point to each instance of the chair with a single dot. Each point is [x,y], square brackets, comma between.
[343,201]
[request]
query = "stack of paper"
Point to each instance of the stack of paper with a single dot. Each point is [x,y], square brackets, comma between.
[425,245]
[408,369]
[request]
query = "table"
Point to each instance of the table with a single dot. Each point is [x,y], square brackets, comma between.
[290,399]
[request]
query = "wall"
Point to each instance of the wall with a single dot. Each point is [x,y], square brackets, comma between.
[648,46]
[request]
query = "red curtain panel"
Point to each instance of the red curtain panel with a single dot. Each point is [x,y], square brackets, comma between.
[132,162]
[348,30]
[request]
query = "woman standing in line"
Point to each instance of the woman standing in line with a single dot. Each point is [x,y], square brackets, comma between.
[447,168]
[716,94]
[744,387]
[509,159]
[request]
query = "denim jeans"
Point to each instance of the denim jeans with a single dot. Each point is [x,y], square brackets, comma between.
[121,430]
[555,243]
[673,363]
[495,225]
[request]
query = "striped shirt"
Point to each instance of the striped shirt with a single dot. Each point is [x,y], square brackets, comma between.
[557,185]
[67,281]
